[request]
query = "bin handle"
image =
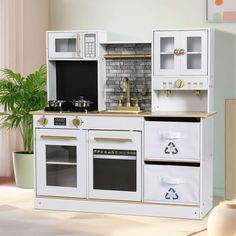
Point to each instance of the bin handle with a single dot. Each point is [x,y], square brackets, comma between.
[172,181]
[171,135]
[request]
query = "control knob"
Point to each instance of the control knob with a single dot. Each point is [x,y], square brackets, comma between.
[43,121]
[179,83]
[76,122]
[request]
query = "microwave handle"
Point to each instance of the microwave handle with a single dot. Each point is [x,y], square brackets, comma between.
[79,44]
[105,139]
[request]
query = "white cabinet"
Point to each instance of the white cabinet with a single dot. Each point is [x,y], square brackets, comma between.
[106,164]
[168,140]
[61,162]
[182,70]
[178,155]
[172,183]
[180,52]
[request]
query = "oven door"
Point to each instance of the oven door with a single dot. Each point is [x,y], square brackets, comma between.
[60,162]
[115,165]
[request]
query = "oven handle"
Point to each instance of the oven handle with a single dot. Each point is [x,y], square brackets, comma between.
[51,137]
[104,139]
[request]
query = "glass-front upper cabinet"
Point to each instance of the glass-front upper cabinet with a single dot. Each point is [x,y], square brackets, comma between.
[75,45]
[180,52]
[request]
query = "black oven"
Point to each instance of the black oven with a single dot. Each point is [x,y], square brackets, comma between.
[114,169]
[114,165]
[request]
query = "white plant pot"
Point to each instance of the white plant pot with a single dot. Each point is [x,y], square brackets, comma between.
[23,165]
[222,220]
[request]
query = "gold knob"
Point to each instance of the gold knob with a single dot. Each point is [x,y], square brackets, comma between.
[179,83]
[43,121]
[182,52]
[176,52]
[76,122]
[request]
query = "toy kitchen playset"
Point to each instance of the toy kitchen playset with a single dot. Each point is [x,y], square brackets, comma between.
[125,159]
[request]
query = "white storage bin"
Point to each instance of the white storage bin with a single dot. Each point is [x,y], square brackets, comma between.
[172,184]
[172,140]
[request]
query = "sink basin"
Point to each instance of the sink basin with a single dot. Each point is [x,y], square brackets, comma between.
[119,112]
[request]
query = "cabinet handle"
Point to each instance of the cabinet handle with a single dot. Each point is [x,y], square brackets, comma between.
[103,139]
[176,52]
[172,181]
[78,45]
[49,137]
[182,52]
[171,135]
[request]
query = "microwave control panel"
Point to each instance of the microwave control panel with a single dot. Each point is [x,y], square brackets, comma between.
[90,45]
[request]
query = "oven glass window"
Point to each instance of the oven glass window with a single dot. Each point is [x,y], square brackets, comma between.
[61,166]
[114,170]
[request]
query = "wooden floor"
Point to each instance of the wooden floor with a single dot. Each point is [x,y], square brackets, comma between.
[18,217]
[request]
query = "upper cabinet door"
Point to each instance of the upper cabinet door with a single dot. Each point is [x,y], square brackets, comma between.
[193,54]
[180,53]
[165,62]
[65,45]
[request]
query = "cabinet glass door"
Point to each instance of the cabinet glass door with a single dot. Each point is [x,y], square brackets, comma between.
[60,162]
[65,45]
[180,53]
[165,60]
[194,52]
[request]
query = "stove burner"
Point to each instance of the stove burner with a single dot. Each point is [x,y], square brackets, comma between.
[56,103]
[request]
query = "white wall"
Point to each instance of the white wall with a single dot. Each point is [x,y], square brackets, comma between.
[130,19]
[134,20]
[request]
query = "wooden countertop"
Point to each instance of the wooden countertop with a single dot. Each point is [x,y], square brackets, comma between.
[140,114]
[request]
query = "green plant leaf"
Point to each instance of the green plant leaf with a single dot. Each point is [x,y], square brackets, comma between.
[19,96]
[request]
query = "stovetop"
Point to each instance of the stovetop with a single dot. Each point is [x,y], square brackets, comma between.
[66,106]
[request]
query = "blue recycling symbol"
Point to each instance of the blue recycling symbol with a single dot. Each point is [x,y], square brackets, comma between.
[171,194]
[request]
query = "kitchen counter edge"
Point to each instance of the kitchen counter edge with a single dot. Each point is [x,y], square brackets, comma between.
[141,114]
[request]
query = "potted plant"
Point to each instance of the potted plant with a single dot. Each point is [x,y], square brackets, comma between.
[19,96]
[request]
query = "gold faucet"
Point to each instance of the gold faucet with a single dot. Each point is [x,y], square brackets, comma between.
[126,88]
[125,85]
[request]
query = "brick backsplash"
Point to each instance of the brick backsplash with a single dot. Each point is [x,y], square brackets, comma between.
[138,70]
